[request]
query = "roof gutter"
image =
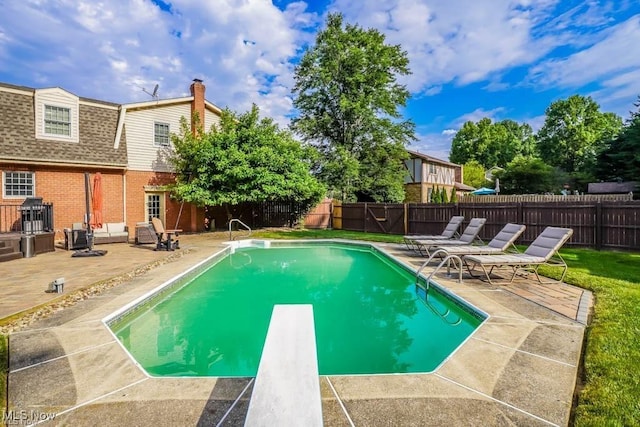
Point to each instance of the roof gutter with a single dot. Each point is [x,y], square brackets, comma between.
[61,164]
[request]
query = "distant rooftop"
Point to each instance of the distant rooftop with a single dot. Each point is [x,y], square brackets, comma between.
[612,187]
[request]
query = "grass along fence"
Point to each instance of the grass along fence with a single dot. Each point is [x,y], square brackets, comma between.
[598,225]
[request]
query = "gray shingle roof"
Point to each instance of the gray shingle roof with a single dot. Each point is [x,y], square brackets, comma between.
[97,130]
[612,187]
[431,158]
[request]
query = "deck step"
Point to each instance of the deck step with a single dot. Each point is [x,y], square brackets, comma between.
[5,249]
[10,256]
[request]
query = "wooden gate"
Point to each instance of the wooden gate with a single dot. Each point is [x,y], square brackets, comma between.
[320,216]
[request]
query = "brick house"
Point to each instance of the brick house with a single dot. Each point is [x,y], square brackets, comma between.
[426,173]
[49,139]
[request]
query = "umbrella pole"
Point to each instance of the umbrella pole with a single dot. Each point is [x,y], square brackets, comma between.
[179,215]
[88,217]
[89,251]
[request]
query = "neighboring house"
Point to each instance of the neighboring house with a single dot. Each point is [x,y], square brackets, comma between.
[613,187]
[49,139]
[425,173]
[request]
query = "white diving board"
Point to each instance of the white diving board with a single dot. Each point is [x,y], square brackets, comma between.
[287,388]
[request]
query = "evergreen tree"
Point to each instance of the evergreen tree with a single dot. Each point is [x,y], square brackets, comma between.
[453,198]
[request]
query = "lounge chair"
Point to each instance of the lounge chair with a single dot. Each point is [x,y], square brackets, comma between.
[542,251]
[165,237]
[450,231]
[503,242]
[469,235]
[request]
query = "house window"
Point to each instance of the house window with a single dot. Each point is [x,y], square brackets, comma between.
[154,206]
[57,120]
[432,169]
[19,184]
[161,134]
[414,171]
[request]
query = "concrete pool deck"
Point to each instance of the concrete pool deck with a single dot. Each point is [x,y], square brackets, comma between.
[519,368]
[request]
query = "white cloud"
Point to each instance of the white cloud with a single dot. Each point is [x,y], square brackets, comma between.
[617,51]
[245,50]
[479,114]
[462,41]
[110,50]
[437,145]
[535,122]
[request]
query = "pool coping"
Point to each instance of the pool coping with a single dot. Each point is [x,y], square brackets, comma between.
[509,370]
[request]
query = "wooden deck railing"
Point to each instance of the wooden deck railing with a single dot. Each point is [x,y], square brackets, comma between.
[33,219]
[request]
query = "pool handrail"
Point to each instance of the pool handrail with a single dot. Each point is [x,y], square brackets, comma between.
[241,223]
[446,260]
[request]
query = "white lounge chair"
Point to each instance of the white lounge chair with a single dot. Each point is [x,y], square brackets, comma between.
[542,251]
[469,235]
[503,242]
[449,232]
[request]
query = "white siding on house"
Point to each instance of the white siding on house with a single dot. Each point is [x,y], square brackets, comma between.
[56,97]
[443,175]
[143,154]
[210,118]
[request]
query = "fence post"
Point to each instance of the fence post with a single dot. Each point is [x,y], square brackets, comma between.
[519,213]
[364,218]
[598,235]
[406,220]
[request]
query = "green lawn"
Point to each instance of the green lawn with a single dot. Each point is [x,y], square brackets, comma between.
[611,392]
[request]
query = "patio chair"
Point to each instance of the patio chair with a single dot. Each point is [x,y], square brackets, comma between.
[469,235]
[502,242]
[450,231]
[542,251]
[165,237]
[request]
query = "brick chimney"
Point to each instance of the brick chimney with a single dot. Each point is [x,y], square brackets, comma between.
[197,105]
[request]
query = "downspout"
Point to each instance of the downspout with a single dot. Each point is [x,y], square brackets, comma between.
[124,196]
[116,145]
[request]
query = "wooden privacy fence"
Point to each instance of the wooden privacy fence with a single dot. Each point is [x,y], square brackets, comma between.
[596,224]
[493,198]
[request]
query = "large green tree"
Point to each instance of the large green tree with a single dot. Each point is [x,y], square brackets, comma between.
[348,98]
[621,160]
[527,175]
[244,159]
[492,144]
[474,174]
[575,132]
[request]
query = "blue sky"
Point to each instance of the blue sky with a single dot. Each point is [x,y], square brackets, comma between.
[469,58]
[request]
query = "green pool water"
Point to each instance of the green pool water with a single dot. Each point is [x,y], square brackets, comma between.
[369,317]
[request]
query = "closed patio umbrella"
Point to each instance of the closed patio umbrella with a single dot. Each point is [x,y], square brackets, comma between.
[96,202]
[95,218]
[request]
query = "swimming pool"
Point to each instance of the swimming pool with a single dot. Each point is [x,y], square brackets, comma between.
[370,317]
